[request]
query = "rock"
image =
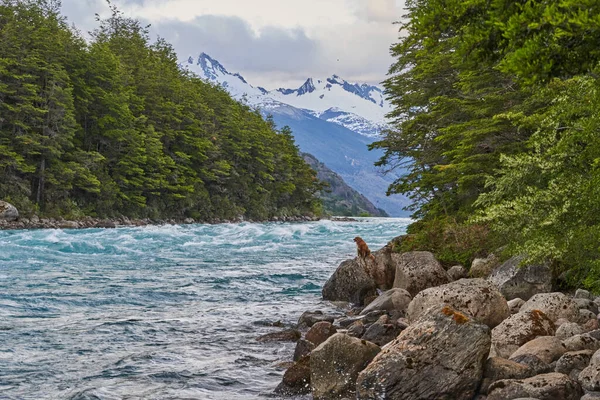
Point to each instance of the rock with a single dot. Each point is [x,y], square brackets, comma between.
[586,315]
[591,396]
[303,348]
[382,332]
[515,281]
[380,268]
[590,376]
[350,282]
[584,341]
[519,329]
[475,297]
[320,332]
[559,322]
[583,294]
[288,335]
[534,363]
[393,300]
[440,356]
[357,329]
[457,272]
[586,304]
[552,386]
[497,368]
[554,305]
[573,362]
[515,305]
[68,225]
[546,348]
[483,267]
[8,212]
[296,380]
[568,330]
[418,270]
[336,364]
[309,318]
[591,325]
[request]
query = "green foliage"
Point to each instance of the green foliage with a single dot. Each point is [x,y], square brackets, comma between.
[114,127]
[494,112]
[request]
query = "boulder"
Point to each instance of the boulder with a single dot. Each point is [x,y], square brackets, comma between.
[497,368]
[546,348]
[8,212]
[534,363]
[288,335]
[357,329]
[382,332]
[336,363]
[380,268]
[552,386]
[483,267]
[573,362]
[351,283]
[303,348]
[457,272]
[586,315]
[515,281]
[583,294]
[585,341]
[296,380]
[519,329]
[515,305]
[586,304]
[590,376]
[418,270]
[320,332]
[568,330]
[394,300]
[554,305]
[440,356]
[475,297]
[591,325]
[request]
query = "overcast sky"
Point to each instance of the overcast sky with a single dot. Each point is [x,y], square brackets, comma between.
[272,43]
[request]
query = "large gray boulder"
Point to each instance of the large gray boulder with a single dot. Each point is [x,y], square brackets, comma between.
[573,362]
[336,363]
[552,386]
[554,305]
[418,270]
[395,300]
[568,330]
[8,212]
[440,356]
[380,268]
[350,282]
[515,281]
[519,329]
[590,376]
[475,297]
[382,331]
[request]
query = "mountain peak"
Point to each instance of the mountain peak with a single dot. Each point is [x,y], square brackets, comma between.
[307,87]
[211,67]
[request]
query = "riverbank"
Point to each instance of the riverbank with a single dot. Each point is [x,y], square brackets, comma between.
[414,330]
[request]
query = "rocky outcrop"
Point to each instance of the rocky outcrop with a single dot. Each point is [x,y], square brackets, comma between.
[519,329]
[351,283]
[335,365]
[441,356]
[8,212]
[417,271]
[554,305]
[552,386]
[394,301]
[476,297]
[516,281]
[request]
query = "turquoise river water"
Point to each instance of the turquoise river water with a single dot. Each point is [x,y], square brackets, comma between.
[162,312]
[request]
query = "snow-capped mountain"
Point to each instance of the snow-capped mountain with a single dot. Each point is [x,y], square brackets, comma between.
[358,107]
[332,119]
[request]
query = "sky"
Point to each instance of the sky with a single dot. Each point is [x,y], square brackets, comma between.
[272,43]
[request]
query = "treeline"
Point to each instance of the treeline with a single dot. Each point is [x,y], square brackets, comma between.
[497,118]
[112,126]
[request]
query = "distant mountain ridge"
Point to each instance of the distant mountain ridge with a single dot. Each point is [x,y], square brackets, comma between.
[332,119]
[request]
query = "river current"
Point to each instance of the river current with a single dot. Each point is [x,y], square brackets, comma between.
[162,312]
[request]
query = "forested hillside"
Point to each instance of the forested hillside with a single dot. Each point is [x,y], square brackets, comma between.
[337,197]
[497,117]
[112,126]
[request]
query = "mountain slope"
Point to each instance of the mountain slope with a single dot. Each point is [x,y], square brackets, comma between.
[339,198]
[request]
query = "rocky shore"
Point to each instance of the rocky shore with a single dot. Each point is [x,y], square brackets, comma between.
[10,220]
[412,330]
